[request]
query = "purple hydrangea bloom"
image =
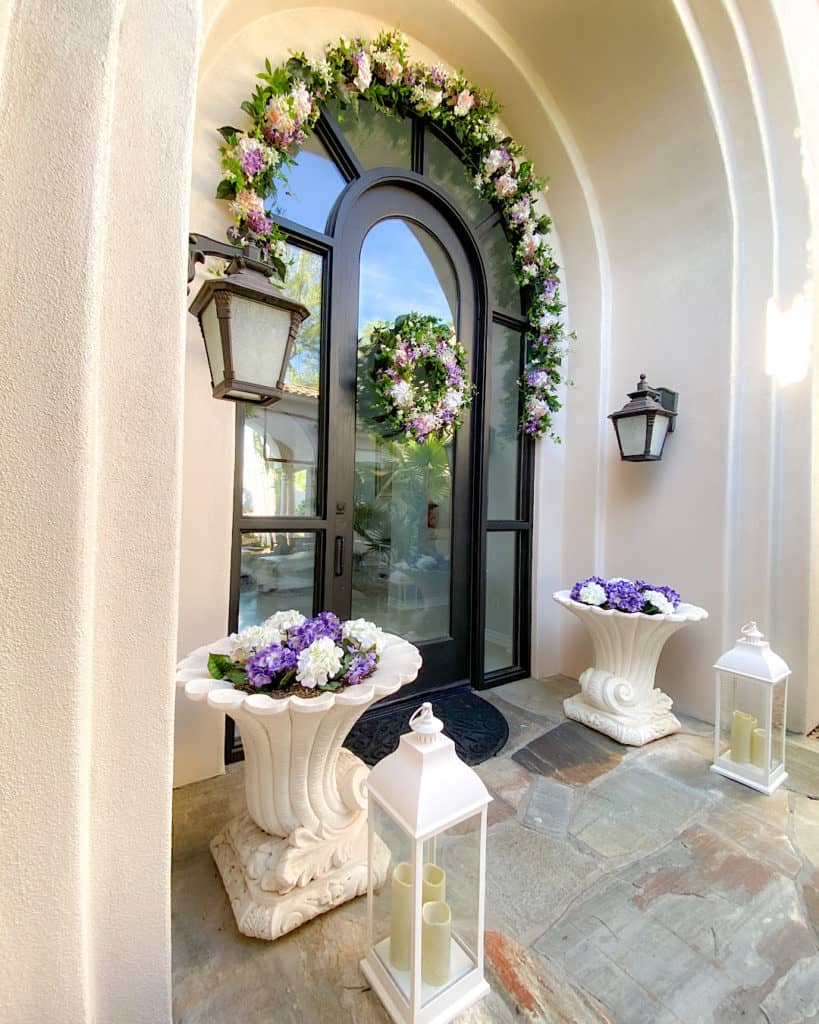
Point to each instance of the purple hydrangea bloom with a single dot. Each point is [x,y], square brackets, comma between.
[575,594]
[268,663]
[363,665]
[252,161]
[624,596]
[669,593]
[437,75]
[324,624]
[259,223]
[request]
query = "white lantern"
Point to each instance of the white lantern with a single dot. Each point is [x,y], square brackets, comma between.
[427,812]
[749,724]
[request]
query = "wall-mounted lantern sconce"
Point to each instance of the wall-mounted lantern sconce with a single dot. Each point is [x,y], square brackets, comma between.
[248,325]
[644,423]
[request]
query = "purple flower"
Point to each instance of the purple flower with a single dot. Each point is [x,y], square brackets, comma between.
[259,223]
[624,596]
[669,593]
[268,663]
[363,665]
[437,76]
[252,161]
[324,624]
[575,594]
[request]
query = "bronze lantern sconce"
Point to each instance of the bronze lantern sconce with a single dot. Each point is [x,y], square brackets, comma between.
[643,424]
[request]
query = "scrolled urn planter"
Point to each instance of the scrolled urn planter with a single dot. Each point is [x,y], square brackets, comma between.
[300,847]
[618,696]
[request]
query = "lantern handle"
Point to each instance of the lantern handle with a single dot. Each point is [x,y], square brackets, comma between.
[751,632]
[425,724]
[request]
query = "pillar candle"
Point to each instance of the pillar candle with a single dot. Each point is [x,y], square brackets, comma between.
[758,748]
[741,728]
[434,884]
[436,944]
[401,916]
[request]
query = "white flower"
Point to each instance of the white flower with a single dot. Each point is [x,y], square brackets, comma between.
[546,321]
[537,408]
[366,634]
[282,621]
[318,663]
[364,75]
[619,579]
[452,400]
[401,392]
[464,103]
[506,185]
[246,201]
[660,601]
[427,97]
[301,101]
[278,115]
[593,593]
[496,159]
[254,638]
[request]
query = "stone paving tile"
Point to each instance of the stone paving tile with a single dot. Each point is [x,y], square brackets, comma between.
[543,697]
[634,811]
[795,998]
[549,807]
[755,836]
[806,827]
[524,726]
[571,753]
[802,765]
[202,808]
[505,779]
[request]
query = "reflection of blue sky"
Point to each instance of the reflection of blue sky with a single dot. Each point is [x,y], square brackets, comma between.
[397,276]
[311,189]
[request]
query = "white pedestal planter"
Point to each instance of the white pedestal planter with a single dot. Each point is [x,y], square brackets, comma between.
[617,695]
[300,847]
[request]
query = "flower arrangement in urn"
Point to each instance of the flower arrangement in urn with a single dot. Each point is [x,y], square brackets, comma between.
[290,654]
[623,595]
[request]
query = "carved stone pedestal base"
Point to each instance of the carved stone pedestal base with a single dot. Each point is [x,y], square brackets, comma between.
[247,858]
[629,729]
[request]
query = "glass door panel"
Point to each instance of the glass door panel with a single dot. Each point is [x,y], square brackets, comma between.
[402,527]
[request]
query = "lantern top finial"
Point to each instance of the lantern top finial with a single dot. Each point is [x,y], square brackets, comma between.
[751,633]
[424,723]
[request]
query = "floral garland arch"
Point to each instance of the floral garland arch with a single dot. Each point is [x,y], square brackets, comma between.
[284,110]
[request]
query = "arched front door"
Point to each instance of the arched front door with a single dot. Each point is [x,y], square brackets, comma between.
[403,525]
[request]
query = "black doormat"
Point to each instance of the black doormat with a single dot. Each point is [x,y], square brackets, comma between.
[478,729]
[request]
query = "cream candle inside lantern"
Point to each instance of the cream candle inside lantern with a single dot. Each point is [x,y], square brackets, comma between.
[434,884]
[436,943]
[742,725]
[401,916]
[758,748]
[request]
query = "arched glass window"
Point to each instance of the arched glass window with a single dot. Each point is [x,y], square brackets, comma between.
[431,541]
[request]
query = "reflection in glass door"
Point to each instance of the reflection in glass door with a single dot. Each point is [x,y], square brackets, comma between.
[402,541]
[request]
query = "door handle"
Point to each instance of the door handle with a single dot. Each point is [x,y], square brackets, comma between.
[338,557]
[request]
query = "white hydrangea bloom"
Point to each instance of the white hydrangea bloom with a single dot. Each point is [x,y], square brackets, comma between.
[660,601]
[318,663]
[593,593]
[301,101]
[254,638]
[364,76]
[366,634]
[401,392]
[280,622]
[453,400]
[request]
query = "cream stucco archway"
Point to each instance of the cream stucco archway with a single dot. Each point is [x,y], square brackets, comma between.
[680,207]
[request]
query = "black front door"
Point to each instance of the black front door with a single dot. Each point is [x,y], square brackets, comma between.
[400,550]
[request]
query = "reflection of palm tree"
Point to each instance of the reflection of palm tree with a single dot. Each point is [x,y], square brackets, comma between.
[403,482]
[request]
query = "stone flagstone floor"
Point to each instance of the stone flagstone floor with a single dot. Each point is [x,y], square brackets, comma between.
[629,886]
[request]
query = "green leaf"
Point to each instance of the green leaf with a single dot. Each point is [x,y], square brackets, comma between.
[228,133]
[226,189]
[249,108]
[236,675]
[219,665]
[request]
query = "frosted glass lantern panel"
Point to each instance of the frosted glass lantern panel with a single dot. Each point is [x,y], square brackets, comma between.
[744,722]
[391,903]
[632,433]
[659,430]
[213,343]
[449,933]
[259,334]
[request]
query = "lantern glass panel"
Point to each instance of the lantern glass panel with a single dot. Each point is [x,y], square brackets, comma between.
[391,922]
[213,343]
[743,721]
[457,854]
[259,335]
[632,433]
[778,725]
[658,432]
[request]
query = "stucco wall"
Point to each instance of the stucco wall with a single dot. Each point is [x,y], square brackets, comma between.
[97,102]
